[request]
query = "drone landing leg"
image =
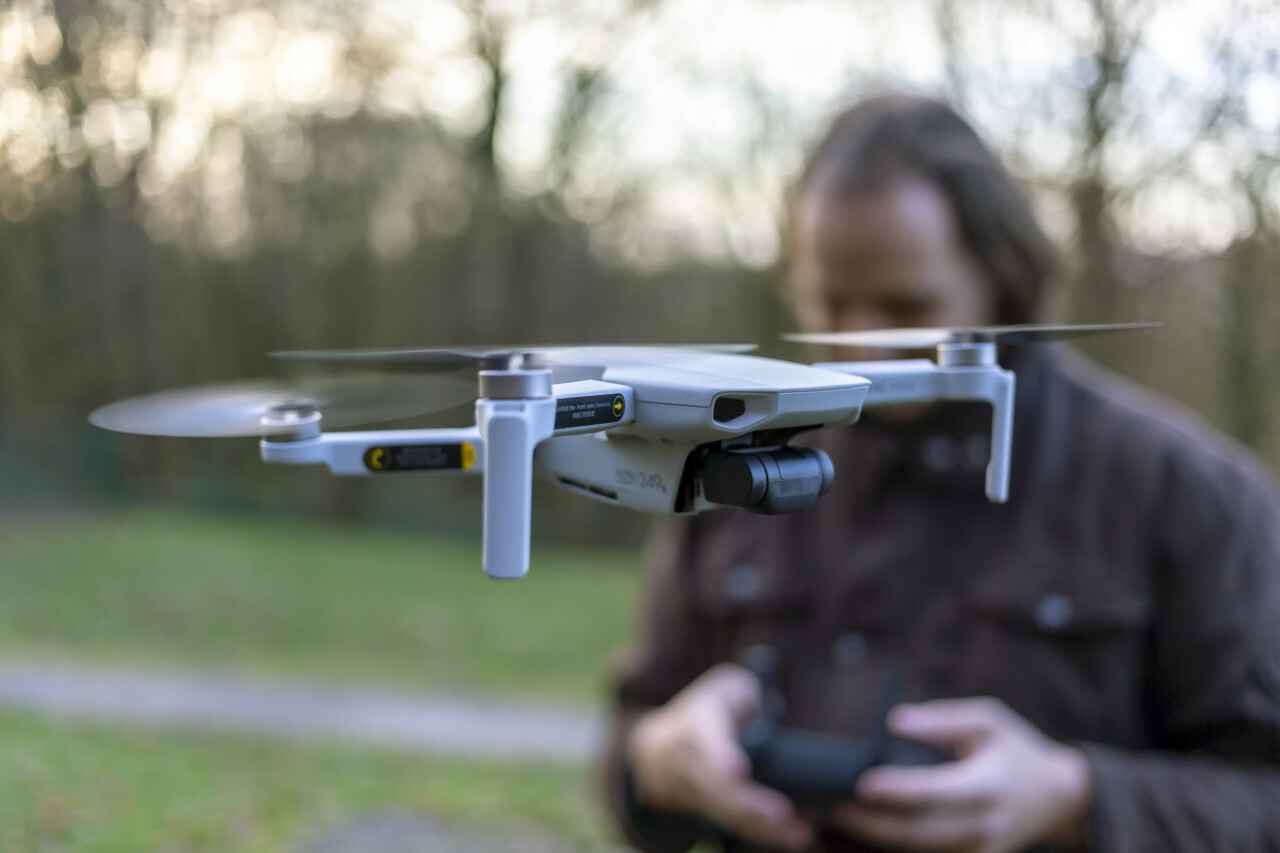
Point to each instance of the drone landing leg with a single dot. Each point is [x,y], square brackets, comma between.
[512,429]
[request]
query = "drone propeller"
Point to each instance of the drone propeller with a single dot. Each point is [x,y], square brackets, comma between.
[449,359]
[925,338]
[435,360]
[237,408]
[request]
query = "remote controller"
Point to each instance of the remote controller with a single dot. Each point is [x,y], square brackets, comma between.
[817,768]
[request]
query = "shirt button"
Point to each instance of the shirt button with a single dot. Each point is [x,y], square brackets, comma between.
[743,583]
[1053,612]
[977,451]
[939,453]
[849,650]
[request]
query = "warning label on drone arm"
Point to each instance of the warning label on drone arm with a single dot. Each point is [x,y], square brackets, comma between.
[421,457]
[591,411]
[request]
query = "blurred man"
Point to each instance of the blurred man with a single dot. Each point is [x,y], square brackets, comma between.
[1101,654]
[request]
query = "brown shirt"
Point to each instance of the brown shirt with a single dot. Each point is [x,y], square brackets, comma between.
[1126,599]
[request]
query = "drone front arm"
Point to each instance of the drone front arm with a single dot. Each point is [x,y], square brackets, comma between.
[442,451]
[923,381]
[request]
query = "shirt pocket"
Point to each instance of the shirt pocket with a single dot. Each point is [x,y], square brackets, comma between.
[1063,643]
[1056,600]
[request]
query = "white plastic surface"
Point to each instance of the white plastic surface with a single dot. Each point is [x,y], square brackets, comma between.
[512,429]
[1002,396]
[696,377]
[620,469]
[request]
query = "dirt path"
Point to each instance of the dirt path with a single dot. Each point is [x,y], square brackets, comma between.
[428,722]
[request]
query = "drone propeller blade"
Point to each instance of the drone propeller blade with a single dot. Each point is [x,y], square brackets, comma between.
[1030,333]
[449,359]
[925,338]
[439,360]
[237,408]
[886,338]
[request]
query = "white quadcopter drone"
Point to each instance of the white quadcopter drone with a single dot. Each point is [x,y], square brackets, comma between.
[668,430]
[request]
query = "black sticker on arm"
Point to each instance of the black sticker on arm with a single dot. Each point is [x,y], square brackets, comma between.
[598,410]
[420,457]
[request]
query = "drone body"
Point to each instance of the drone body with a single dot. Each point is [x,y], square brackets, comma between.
[664,430]
[624,433]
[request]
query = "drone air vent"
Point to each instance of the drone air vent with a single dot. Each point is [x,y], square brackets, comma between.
[728,409]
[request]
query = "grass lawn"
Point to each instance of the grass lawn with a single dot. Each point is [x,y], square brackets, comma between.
[301,600]
[291,600]
[102,789]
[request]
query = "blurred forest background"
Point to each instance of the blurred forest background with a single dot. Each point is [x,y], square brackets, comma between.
[185,186]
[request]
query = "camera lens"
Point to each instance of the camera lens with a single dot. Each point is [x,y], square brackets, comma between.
[769,480]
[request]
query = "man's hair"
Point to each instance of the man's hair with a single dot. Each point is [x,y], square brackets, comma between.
[891,137]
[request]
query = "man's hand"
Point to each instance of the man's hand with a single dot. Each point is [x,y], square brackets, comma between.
[685,759]
[1011,787]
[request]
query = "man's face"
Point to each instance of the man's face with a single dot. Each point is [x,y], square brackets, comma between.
[888,257]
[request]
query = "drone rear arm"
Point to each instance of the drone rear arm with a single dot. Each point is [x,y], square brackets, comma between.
[580,407]
[508,429]
[444,451]
[923,381]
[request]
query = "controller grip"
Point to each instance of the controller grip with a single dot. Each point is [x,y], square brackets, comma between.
[817,768]
[807,766]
